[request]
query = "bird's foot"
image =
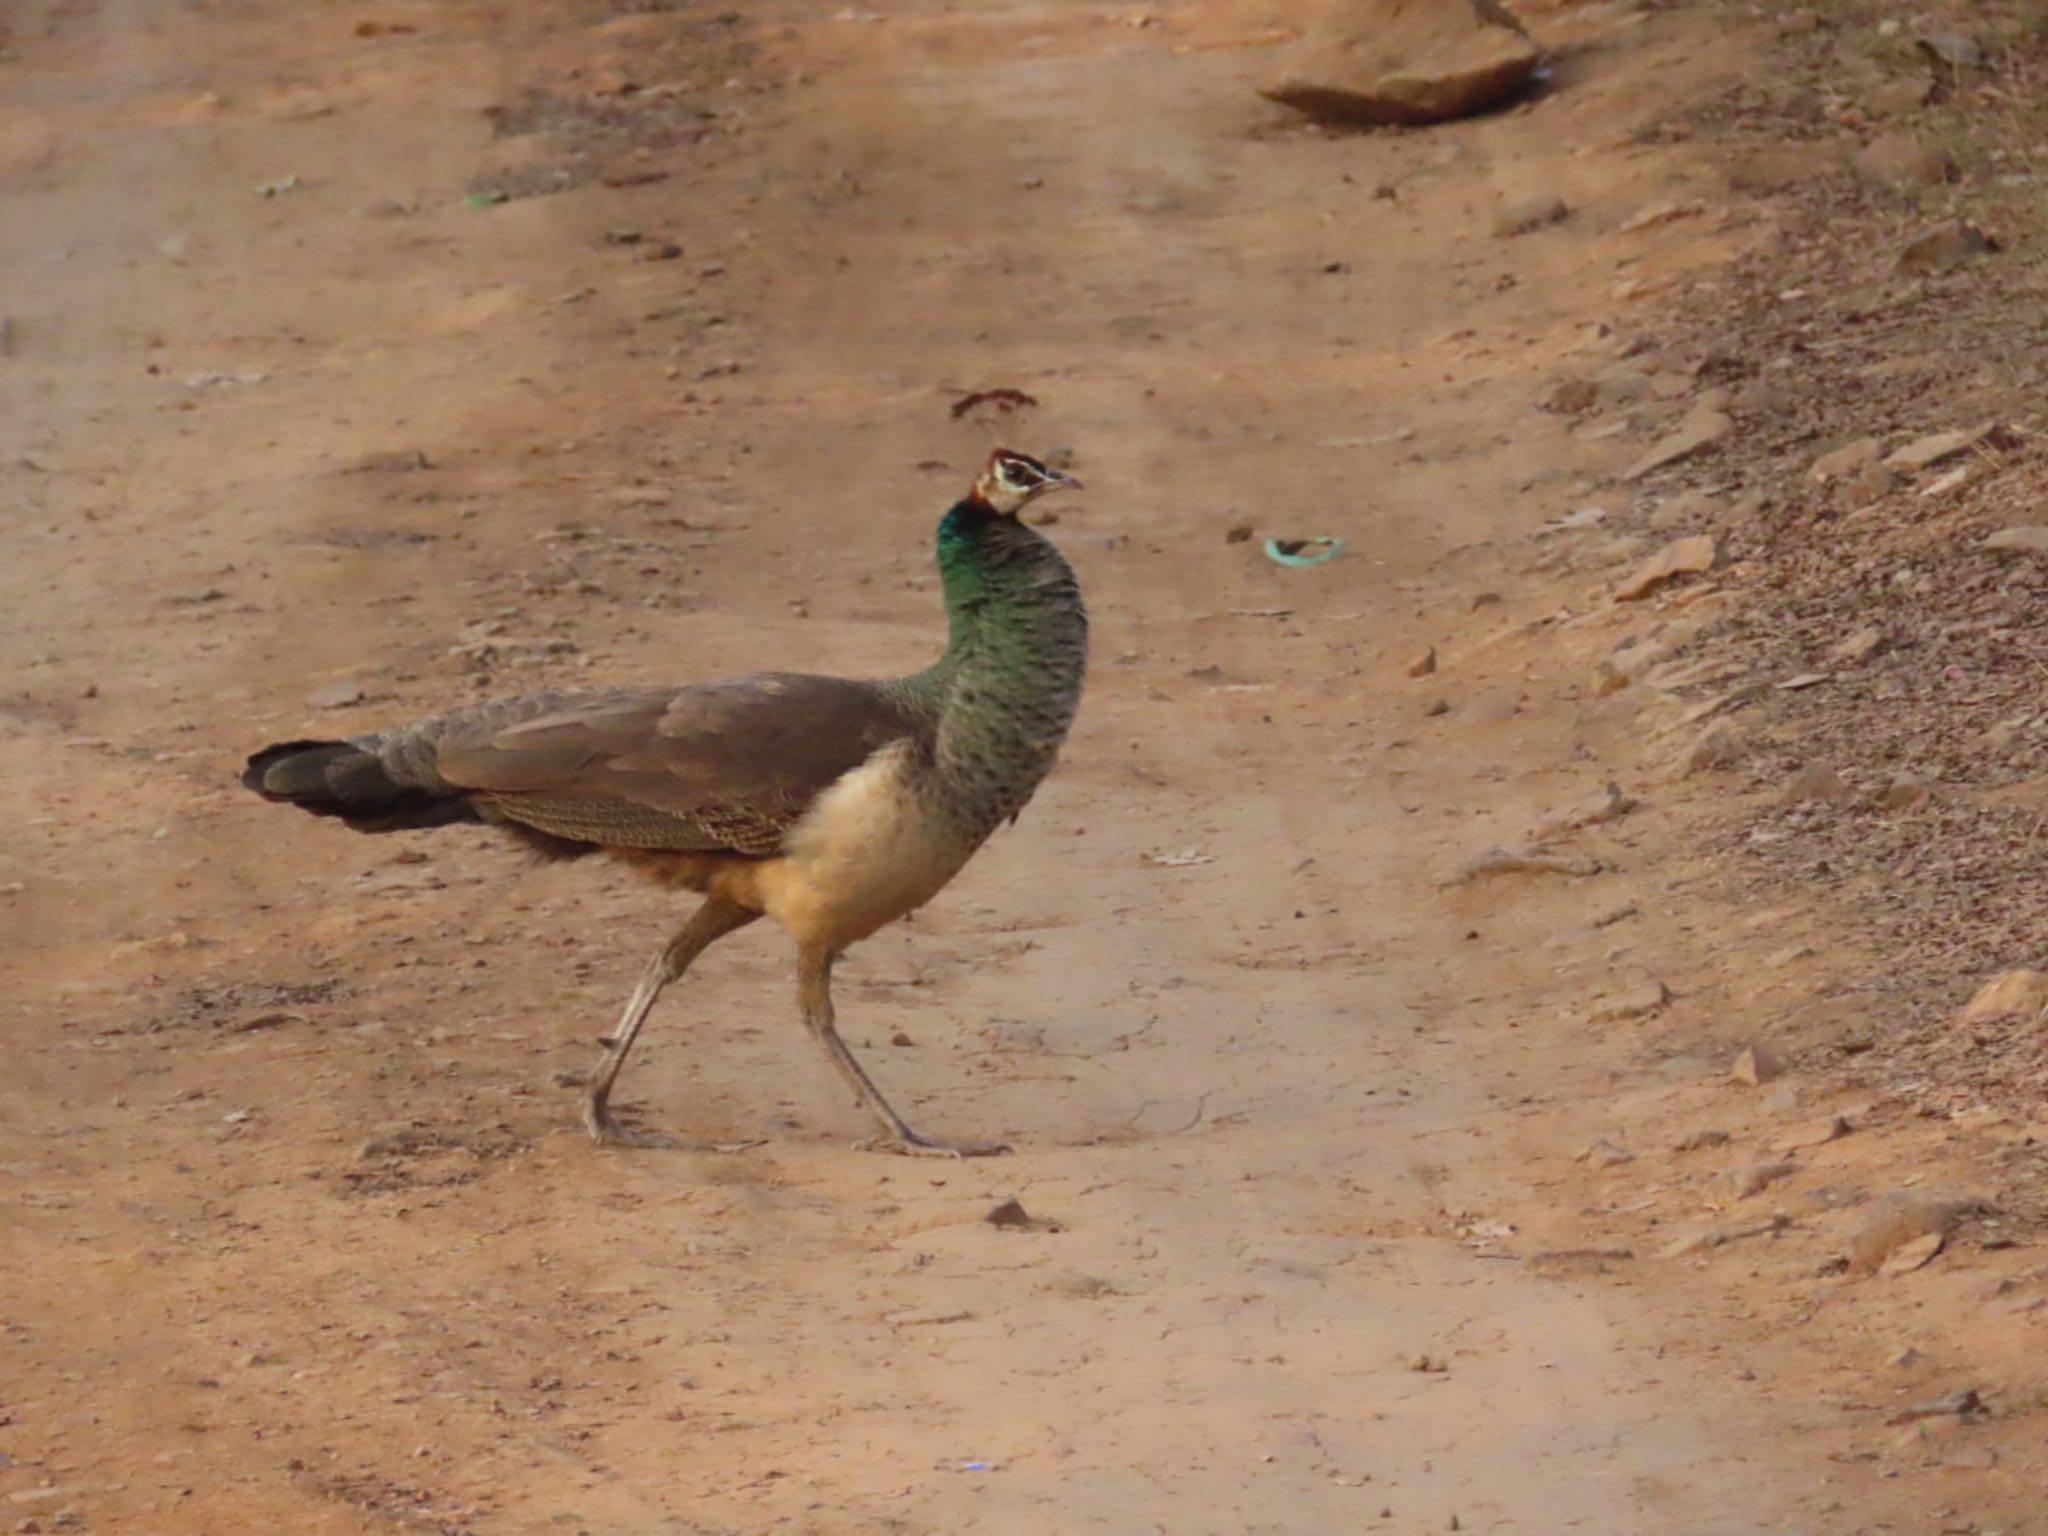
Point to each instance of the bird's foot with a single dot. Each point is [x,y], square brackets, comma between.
[606,1131]
[911,1144]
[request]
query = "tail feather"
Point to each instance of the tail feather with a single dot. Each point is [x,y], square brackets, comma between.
[348,780]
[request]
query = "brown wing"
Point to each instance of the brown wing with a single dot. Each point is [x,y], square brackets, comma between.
[714,766]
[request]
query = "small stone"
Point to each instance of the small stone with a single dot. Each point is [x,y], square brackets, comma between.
[1640,999]
[2012,994]
[1627,662]
[1571,397]
[1861,646]
[1703,427]
[1972,1458]
[1521,861]
[2031,539]
[1817,783]
[1899,1219]
[1717,1237]
[1741,1183]
[1719,746]
[1699,1141]
[1906,791]
[1439,707]
[1010,1213]
[335,696]
[1240,533]
[1652,214]
[1896,98]
[1490,708]
[1688,556]
[1605,1154]
[1926,452]
[1954,1406]
[1688,1243]
[1868,486]
[900,1038]
[1816,1134]
[1424,664]
[926,1317]
[1754,1066]
[1944,247]
[1899,160]
[1075,1283]
[1941,485]
[1575,1263]
[1530,215]
[1928,1434]
[1610,804]
[1845,460]
[1761,396]
[1912,1254]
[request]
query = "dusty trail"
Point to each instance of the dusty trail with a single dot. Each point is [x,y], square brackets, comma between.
[302,1233]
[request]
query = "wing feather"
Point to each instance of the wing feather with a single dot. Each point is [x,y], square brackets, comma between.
[707,767]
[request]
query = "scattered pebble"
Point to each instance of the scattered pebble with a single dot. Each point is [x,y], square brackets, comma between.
[1926,452]
[1755,1065]
[1818,1133]
[1608,804]
[1522,861]
[2011,994]
[1905,1217]
[1905,791]
[1913,1254]
[1946,246]
[1570,397]
[1950,1405]
[1817,783]
[2031,539]
[1702,429]
[1074,1283]
[1011,1213]
[1741,1183]
[1638,1000]
[335,696]
[1900,160]
[1707,1238]
[1845,460]
[1530,215]
[1688,556]
[1720,746]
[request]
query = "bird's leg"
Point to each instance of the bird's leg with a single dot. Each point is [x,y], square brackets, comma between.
[814,992]
[708,924]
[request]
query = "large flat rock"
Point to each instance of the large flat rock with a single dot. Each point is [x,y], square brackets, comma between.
[1407,61]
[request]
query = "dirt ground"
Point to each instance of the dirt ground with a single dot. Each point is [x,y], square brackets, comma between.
[375,356]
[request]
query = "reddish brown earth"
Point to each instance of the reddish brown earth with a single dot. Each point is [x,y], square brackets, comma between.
[300,1229]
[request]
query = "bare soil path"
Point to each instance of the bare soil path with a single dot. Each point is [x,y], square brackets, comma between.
[318,379]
